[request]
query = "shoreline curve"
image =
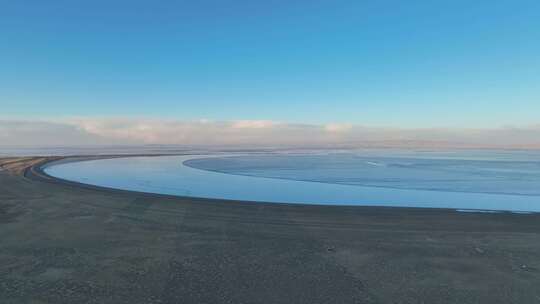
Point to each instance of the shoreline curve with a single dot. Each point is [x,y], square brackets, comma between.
[36,171]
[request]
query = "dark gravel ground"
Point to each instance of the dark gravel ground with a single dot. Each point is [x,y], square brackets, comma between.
[62,243]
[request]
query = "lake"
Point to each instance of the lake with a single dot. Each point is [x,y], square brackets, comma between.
[472,180]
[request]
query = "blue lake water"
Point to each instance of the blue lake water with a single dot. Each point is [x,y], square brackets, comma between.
[483,181]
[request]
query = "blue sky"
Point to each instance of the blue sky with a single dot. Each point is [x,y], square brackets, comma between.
[404,64]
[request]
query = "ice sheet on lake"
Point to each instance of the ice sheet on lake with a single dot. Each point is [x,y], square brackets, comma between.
[507,176]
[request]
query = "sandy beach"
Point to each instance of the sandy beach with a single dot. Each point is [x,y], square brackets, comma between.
[64,242]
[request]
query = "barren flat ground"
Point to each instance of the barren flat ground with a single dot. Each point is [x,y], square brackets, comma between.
[65,243]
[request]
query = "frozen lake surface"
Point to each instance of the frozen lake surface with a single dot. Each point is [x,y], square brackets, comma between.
[508,181]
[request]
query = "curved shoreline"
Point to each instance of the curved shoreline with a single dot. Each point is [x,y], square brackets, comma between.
[39,172]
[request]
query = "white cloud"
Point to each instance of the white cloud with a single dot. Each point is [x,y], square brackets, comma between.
[253,124]
[338,127]
[253,133]
[44,133]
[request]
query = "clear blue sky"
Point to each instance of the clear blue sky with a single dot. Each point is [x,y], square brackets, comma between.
[382,63]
